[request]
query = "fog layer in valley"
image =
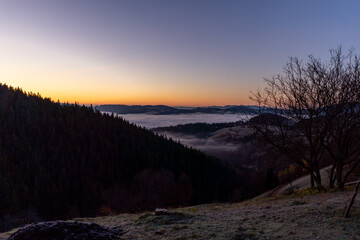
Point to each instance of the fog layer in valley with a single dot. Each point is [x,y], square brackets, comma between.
[153,121]
[207,145]
[215,145]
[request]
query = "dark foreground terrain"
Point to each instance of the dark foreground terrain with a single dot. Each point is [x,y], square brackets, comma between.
[298,216]
[61,161]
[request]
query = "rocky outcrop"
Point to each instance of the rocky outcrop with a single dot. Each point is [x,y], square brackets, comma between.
[162,211]
[62,230]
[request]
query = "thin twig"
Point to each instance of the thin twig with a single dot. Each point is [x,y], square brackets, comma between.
[352,200]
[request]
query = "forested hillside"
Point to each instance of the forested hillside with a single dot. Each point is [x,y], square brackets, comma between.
[63,160]
[197,129]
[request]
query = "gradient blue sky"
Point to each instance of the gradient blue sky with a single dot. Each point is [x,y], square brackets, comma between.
[163,51]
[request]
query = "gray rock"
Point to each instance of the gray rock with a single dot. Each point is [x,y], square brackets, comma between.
[166,212]
[62,230]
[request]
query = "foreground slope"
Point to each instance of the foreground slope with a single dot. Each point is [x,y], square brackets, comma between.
[62,161]
[317,216]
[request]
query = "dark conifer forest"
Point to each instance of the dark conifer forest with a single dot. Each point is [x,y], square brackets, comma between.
[59,161]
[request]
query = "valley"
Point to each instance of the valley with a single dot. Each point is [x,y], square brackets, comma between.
[179,120]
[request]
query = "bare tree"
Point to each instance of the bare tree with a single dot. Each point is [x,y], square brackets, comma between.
[316,114]
[342,144]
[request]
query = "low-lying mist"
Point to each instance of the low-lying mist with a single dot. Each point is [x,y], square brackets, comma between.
[220,148]
[208,145]
[153,121]
[217,148]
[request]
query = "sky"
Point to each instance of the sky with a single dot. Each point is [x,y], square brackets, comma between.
[178,53]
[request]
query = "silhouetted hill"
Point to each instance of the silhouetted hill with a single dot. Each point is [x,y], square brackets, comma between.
[62,161]
[196,129]
[270,119]
[162,109]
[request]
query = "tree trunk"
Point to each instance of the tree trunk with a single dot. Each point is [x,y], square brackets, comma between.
[332,182]
[317,178]
[318,184]
[312,180]
[339,180]
[332,177]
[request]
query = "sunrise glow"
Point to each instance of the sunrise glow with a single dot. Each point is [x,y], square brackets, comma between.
[179,53]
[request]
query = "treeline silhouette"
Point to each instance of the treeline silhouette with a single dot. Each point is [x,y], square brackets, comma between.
[61,161]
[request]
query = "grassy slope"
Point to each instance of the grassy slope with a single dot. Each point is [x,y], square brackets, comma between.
[317,216]
[297,184]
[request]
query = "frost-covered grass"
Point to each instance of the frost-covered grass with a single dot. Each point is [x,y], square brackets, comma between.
[304,215]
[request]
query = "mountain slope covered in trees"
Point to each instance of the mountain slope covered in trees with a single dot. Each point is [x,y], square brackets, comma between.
[62,161]
[196,129]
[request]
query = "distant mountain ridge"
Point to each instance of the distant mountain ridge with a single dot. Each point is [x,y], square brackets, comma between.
[167,110]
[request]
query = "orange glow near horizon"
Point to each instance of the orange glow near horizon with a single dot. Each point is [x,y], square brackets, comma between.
[67,79]
[109,96]
[68,75]
[176,53]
